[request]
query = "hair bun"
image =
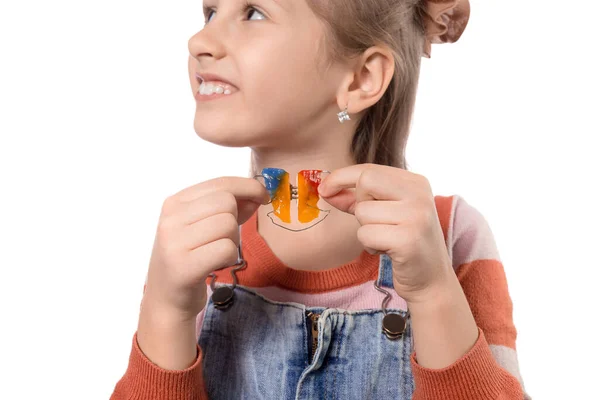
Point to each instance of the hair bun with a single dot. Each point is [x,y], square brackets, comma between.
[445,21]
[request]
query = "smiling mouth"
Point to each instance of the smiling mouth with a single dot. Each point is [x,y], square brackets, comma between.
[214,87]
[208,89]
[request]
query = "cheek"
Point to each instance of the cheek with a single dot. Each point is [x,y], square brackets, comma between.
[281,90]
[274,70]
[283,83]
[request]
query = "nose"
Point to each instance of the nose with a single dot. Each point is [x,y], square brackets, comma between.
[208,42]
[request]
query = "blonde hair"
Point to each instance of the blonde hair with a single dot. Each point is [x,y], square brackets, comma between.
[353,27]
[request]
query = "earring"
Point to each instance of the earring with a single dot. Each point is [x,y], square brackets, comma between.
[343,115]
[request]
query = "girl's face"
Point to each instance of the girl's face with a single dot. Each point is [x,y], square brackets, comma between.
[282,95]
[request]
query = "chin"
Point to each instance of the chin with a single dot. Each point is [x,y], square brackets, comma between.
[217,134]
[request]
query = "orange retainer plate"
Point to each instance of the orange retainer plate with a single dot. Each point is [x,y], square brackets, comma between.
[277,182]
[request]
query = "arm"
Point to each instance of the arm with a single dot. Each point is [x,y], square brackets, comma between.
[464,337]
[166,339]
[165,361]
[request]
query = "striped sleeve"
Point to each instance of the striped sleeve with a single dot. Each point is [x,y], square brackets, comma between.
[489,370]
[480,271]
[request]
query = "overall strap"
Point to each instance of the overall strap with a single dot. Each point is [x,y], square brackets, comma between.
[385,276]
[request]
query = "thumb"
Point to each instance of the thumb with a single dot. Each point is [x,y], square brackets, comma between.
[344,200]
[245,210]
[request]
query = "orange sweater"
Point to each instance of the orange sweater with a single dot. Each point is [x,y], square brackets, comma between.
[488,371]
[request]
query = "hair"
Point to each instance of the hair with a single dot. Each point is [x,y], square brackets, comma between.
[353,27]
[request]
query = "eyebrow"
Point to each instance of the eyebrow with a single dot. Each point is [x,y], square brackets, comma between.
[278,2]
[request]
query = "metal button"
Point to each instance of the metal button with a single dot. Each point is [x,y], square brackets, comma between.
[393,326]
[222,297]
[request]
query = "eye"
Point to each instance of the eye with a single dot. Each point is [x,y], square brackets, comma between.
[250,9]
[207,14]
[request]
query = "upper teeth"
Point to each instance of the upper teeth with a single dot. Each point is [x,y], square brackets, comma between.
[208,88]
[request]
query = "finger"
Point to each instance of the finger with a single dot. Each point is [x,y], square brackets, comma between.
[211,229]
[380,238]
[344,200]
[371,181]
[246,209]
[216,203]
[242,188]
[380,212]
[372,251]
[214,256]
[205,206]
[343,178]
[385,183]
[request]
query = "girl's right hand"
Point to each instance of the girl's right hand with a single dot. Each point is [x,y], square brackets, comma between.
[198,233]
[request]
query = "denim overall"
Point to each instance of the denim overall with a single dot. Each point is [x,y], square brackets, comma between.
[261,349]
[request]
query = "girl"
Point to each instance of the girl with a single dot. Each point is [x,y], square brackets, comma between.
[397,294]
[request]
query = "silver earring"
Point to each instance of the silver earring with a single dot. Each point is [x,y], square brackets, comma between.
[343,116]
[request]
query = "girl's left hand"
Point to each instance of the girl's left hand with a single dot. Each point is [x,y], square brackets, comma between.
[398,217]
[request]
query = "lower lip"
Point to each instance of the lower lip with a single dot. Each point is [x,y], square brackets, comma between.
[209,97]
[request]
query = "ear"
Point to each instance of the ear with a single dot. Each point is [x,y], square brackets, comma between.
[369,78]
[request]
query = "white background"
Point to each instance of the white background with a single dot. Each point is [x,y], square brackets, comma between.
[96,130]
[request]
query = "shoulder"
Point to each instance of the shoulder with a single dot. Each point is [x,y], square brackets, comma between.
[466,230]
